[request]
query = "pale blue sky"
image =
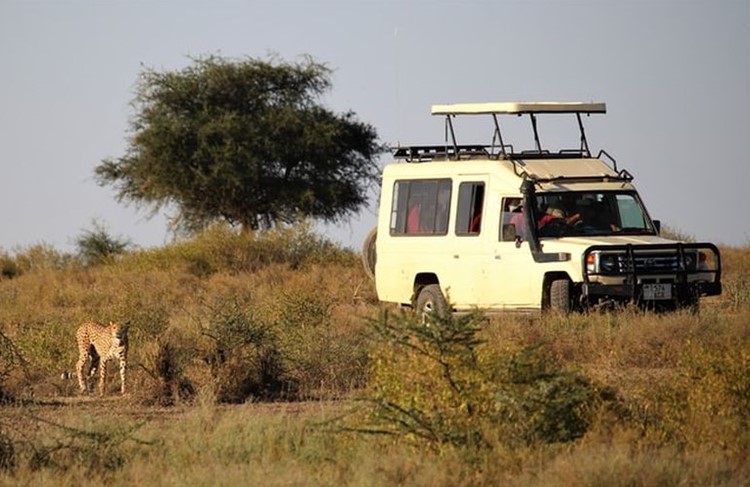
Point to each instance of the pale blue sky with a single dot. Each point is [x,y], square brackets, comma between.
[675,76]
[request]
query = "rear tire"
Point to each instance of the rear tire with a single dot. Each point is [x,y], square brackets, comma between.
[369,253]
[559,296]
[430,301]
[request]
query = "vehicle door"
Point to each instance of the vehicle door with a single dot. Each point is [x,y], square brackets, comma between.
[512,270]
[468,242]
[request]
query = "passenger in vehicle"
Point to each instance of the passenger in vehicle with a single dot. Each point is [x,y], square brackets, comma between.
[412,220]
[476,223]
[555,212]
[518,220]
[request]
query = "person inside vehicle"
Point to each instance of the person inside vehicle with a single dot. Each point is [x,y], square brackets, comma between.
[518,220]
[555,212]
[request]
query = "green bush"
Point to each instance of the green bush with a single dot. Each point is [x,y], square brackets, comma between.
[96,246]
[539,402]
[437,383]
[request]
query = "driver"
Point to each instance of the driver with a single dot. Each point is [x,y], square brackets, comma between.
[556,212]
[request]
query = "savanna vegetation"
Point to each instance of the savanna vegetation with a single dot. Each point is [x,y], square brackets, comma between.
[265,359]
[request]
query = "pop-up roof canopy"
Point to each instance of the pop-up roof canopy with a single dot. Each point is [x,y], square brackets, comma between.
[532,109]
[518,108]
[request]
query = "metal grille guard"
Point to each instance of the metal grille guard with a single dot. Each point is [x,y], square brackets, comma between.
[681,273]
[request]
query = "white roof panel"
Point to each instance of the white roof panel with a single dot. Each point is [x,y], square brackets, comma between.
[514,108]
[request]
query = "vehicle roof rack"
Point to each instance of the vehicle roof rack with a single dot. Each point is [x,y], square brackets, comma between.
[532,109]
[515,108]
[422,153]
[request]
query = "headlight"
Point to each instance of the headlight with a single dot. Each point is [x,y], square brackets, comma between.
[598,263]
[608,263]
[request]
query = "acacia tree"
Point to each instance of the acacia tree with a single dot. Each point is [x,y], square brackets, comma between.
[246,141]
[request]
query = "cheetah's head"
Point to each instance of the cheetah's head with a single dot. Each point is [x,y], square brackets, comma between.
[119,332]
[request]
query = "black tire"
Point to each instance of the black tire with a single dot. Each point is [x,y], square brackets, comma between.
[430,300]
[559,296]
[369,253]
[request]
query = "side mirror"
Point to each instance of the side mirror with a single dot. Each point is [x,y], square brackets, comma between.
[657,226]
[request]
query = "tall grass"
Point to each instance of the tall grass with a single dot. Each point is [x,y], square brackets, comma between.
[287,317]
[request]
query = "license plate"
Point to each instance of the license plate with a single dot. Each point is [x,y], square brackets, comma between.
[656,292]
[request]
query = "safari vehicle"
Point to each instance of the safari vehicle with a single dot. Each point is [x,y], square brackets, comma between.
[489,227]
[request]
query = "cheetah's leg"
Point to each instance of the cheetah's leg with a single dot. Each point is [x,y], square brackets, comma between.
[94,369]
[79,370]
[102,376]
[123,366]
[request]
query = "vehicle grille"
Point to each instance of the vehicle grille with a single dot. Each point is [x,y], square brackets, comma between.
[654,263]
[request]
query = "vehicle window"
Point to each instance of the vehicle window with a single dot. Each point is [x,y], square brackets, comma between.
[512,224]
[590,213]
[631,215]
[469,213]
[420,207]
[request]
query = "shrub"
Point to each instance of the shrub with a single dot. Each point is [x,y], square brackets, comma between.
[97,246]
[708,403]
[437,383]
[324,359]
[166,359]
[221,248]
[8,267]
[34,258]
[538,402]
[243,355]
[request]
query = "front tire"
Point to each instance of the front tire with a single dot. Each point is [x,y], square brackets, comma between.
[560,296]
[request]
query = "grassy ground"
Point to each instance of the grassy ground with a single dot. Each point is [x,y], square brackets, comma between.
[257,361]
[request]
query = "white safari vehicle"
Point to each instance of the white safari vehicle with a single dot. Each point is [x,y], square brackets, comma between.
[487,227]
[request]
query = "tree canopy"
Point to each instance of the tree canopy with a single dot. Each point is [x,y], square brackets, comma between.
[246,141]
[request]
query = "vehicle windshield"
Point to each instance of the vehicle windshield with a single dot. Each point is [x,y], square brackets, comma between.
[591,213]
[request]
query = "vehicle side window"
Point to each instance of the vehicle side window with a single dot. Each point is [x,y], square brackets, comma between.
[512,222]
[470,203]
[420,207]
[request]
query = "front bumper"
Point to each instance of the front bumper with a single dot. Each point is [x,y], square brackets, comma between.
[679,272]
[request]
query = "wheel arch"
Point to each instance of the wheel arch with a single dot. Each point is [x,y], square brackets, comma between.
[421,280]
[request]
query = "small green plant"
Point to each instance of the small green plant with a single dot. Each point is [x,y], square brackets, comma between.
[96,246]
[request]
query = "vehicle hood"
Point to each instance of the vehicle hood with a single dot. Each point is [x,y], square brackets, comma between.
[576,245]
[609,240]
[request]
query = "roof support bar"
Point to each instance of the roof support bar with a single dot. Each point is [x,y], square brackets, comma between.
[449,128]
[498,135]
[584,142]
[536,132]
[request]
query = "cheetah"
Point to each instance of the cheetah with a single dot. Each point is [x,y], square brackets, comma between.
[101,343]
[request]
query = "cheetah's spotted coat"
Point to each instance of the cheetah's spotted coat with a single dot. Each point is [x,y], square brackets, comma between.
[101,343]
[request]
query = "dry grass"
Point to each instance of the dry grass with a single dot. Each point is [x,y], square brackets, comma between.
[208,310]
